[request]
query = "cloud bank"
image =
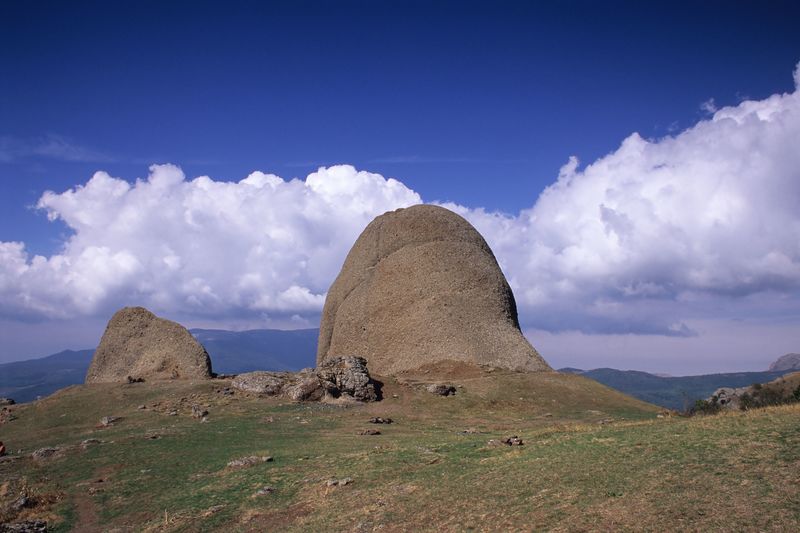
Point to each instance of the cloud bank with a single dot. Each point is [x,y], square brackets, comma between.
[644,240]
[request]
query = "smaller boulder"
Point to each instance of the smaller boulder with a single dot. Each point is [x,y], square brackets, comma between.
[347,375]
[308,389]
[6,401]
[259,382]
[441,389]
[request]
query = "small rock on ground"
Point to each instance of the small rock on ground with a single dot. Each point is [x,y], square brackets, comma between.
[28,526]
[44,453]
[244,462]
[442,389]
[338,482]
[380,420]
[370,432]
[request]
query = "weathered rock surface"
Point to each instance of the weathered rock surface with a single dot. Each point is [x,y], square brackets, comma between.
[137,344]
[349,376]
[337,377]
[267,383]
[7,401]
[421,285]
[441,389]
[790,361]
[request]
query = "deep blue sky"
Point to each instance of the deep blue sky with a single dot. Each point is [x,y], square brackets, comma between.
[478,103]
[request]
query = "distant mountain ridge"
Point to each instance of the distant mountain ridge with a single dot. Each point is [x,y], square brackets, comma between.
[231,352]
[25,380]
[234,352]
[672,392]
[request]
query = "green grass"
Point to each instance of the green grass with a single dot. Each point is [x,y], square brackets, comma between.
[639,472]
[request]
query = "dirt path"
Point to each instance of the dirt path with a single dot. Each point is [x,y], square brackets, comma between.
[86,510]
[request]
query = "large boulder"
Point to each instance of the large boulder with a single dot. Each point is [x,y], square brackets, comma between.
[421,285]
[139,345]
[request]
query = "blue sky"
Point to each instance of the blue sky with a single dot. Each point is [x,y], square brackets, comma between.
[478,104]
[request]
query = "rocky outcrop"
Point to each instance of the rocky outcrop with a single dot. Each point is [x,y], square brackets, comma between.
[421,285]
[338,377]
[790,361]
[138,345]
[785,389]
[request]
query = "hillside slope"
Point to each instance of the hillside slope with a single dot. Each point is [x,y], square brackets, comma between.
[593,459]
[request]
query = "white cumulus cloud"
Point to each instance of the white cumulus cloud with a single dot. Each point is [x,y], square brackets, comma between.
[262,246]
[699,225]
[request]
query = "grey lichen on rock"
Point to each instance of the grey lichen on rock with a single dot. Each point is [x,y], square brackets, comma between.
[421,285]
[139,345]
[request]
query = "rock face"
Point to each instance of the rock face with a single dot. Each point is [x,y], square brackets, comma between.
[421,285]
[337,377]
[790,361]
[139,345]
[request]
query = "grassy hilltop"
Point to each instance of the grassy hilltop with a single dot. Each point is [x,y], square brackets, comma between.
[593,459]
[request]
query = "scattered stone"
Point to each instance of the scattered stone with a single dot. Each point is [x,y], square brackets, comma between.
[380,420]
[214,509]
[441,389]
[264,491]
[547,415]
[308,389]
[347,376]
[606,421]
[370,432]
[152,436]
[108,421]
[470,431]
[137,344]
[6,415]
[135,380]
[268,420]
[395,396]
[508,441]
[89,442]
[227,391]
[199,412]
[45,453]
[267,383]
[141,407]
[6,401]
[2,449]
[419,286]
[27,526]
[245,462]
[173,413]
[338,482]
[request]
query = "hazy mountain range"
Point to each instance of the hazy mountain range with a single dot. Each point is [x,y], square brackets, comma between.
[233,352]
